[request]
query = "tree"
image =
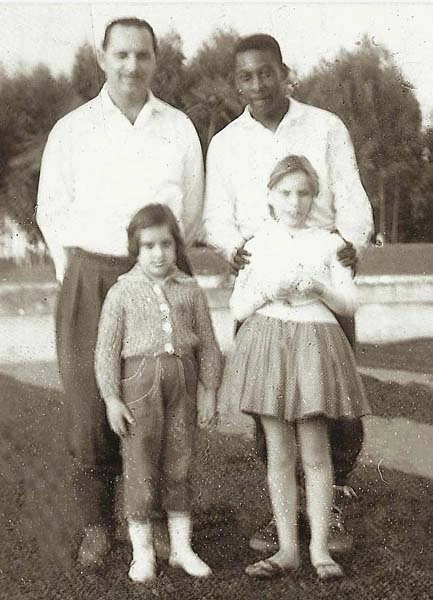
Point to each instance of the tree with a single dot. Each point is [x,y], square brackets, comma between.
[210,97]
[30,105]
[367,91]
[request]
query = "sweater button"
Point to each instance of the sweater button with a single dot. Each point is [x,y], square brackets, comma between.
[169,348]
[167,327]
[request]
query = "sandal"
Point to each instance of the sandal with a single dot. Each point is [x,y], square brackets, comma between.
[267,569]
[328,570]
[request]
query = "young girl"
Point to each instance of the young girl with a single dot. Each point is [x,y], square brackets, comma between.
[155,342]
[292,366]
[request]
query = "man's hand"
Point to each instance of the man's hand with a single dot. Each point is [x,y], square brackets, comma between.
[240,259]
[206,406]
[347,256]
[119,416]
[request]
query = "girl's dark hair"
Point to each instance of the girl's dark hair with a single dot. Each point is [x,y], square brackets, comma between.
[153,215]
[293,164]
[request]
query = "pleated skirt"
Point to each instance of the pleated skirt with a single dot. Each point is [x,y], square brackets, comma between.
[292,371]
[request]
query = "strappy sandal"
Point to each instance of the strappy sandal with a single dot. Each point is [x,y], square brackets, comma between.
[267,569]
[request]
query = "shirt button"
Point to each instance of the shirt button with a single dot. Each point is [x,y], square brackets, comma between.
[167,327]
[169,348]
[164,308]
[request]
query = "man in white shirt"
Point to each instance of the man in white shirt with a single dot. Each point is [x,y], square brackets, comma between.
[102,163]
[239,162]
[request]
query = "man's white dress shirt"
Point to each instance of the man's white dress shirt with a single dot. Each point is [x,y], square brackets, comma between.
[242,156]
[98,170]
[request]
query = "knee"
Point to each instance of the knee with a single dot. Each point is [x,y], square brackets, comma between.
[316,462]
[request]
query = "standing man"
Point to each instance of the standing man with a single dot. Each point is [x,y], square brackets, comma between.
[102,162]
[239,162]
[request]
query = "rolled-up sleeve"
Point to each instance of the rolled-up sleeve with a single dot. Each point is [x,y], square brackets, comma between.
[353,212]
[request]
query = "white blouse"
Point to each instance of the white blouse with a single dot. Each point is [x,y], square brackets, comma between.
[279,257]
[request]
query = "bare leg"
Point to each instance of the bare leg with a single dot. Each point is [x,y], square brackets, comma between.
[281,445]
[317,465]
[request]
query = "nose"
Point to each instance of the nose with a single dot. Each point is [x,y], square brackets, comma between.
[158,252]
[131,63]
[257,83]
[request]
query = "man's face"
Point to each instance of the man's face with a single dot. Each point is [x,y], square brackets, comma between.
[260,77]
[128,62]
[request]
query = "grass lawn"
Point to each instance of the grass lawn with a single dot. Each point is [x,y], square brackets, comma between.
[39,523]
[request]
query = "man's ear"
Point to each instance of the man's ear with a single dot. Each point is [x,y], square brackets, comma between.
[100,58]
[285,72]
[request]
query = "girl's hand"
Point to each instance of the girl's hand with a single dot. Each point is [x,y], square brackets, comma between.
[119,416]
[206,406]
[307,285]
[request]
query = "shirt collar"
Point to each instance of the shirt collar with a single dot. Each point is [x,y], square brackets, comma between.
[177,275]
[295,112]
[151,107]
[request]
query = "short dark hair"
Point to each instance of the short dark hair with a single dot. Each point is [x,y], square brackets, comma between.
[129,22]
[259,41]
[153,215]
[294,164]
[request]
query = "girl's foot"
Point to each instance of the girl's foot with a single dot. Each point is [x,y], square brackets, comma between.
[325,566]
[278,564]
[142,569]
[191,563]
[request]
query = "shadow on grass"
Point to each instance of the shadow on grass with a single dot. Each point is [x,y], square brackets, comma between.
[40,525]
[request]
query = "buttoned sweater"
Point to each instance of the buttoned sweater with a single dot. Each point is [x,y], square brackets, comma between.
[142,317]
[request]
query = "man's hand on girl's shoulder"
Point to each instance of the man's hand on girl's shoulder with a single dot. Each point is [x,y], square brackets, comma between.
[240,259]
[347,256]
[119,416]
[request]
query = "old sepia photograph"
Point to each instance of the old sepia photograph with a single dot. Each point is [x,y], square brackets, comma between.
[216,300]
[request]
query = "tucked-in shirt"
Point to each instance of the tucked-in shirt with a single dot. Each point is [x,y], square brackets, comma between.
[98,170]
[141,317]
[242,156]
[278,259]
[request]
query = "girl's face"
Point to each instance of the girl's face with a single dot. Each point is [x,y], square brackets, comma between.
[291,199]
[157,256]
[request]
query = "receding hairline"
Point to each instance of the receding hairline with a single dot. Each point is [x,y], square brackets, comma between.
[132,22]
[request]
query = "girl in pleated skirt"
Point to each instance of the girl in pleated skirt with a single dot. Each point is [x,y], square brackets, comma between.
[292,366]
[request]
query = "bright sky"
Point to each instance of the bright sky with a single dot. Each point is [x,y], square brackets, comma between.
[307,32]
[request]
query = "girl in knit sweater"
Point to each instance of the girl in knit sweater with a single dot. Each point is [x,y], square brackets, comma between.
[155,342]
[292,366]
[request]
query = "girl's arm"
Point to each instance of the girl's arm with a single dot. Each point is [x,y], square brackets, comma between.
[109,346]
[208,353]
[250,293]
[340,295]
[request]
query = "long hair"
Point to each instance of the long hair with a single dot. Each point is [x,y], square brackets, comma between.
[154,215]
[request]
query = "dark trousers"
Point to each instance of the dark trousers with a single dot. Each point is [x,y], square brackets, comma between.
[161,394]
[93,446]
[346,435]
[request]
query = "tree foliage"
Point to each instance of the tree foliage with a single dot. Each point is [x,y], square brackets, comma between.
[364,87]
[368,92]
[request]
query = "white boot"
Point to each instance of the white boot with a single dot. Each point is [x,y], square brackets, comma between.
[181,553]
[142,567]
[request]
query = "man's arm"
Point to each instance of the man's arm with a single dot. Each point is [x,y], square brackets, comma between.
[192,211]
[353,213]
[219,213]
[55,197]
